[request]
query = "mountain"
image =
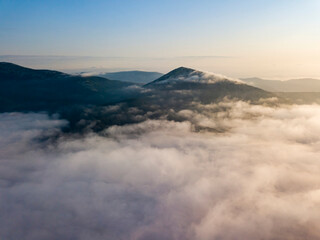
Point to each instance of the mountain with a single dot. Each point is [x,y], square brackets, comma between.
[132,76]
[99,102]
[293,85]
[183,74]
[28,89]
[96,102]
[206,86]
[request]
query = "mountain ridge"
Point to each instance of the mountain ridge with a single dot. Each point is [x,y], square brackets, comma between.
[136,76]
[17,72]
[29,89]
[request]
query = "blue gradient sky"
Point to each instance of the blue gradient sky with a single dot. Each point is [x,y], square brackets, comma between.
[274,38]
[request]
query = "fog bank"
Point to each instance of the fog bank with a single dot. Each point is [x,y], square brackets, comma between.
[223,171]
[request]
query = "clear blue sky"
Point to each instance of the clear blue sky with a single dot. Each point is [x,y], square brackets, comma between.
[248,37]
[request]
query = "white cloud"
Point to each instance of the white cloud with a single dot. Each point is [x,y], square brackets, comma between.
[163,180]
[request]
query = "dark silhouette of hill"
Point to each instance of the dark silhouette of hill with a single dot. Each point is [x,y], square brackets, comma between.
[28,89]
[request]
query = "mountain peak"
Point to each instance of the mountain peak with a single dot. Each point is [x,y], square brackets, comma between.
[182,69]
[183,74]
[178,72]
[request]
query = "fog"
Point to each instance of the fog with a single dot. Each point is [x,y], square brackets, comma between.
[225,171]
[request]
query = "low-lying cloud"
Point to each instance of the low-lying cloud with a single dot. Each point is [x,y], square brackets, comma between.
[224,171]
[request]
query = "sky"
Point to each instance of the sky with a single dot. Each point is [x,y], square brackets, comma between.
[273,39]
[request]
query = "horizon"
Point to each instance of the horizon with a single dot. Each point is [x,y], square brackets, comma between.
[100,70]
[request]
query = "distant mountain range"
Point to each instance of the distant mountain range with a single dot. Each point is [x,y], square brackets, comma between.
[81,99]
[294,85]
[141,77]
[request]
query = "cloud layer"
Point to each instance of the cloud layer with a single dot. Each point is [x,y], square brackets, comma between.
[223,171]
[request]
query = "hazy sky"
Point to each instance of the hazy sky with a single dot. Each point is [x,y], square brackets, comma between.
[274,38]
